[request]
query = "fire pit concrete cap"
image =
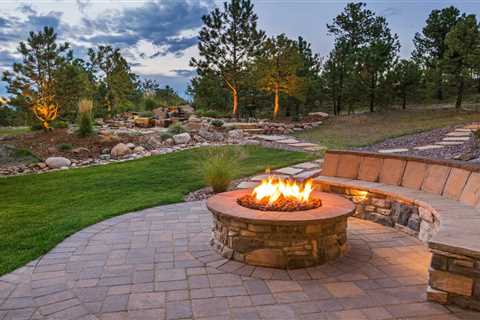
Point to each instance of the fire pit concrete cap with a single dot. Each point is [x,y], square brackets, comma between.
[333,207]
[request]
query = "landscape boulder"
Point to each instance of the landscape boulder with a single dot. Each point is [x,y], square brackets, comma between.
[139,149]
[235,134]
[182,138]
[57,162]
[120,150]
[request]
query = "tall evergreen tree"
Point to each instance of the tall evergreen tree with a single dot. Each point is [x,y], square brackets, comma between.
[32,81]
[462,52]
[278,67]
[405,77]
[113,71]
[430,45]
[228,41]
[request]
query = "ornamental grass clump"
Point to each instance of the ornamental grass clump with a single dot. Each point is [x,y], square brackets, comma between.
[85,122]
[219,166]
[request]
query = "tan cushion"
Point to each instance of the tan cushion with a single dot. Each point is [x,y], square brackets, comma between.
[330,164]
[436,178]
[348,165]
[455,183]
[392,171]
[471,192]
[370,168]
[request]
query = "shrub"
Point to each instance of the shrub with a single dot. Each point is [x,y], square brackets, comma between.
[216,123]
[150,104]
[219,166]
[59,124]
[64,146]
[176,128]
[85,123]
[165,135]
[212,113]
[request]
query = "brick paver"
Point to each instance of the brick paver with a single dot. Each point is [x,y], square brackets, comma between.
[157,264]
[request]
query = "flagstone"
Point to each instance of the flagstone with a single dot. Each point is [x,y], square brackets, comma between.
[271,137]
[429,147]
[449,143]
[304,144]
[288,141]
[247,185]
[458,134]
[456,139]
[307,165]
[393,150]
[289,170]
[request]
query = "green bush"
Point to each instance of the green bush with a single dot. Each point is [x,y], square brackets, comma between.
[212,113]
[59,124]
[150,104]
[219,166]
[64,146]
[165,135]
[176,128]
[216,123]
[36,127]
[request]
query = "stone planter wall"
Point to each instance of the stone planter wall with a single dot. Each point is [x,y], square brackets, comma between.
[279,245]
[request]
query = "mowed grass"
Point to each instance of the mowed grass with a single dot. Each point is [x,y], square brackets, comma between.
[39,211]
[364,129]
[11,131]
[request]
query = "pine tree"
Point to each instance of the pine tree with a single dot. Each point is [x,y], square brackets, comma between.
[278,67]
[462,52]
[228,41]
[32,81]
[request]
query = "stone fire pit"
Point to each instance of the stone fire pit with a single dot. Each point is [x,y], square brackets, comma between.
[278,239]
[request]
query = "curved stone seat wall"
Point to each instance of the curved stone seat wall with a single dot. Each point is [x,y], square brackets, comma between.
[434,200]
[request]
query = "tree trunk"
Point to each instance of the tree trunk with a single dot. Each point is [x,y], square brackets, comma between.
[440,87]
[404,102]
[235,102]
[276,106]
[372,94]
[460,90]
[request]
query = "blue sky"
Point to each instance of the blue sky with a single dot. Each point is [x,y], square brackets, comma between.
[158,37]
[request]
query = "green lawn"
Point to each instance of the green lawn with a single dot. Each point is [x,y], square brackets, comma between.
[39,211]
[364,129]
[11,131]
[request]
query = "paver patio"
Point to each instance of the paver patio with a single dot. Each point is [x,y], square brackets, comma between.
[157,264]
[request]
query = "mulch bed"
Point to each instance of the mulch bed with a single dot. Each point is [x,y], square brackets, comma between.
[46,144]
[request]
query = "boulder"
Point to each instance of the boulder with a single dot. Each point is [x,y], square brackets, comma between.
[139,149]
[57,162]
[182,138]
[120,150]
[235,134]
[210,135]
[131,145]
[80,150]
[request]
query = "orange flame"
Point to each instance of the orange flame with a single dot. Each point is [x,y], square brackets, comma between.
[272,188]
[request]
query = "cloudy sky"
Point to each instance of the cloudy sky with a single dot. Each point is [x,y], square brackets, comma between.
[158,37]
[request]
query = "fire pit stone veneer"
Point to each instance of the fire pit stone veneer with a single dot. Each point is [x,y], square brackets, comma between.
[276,239]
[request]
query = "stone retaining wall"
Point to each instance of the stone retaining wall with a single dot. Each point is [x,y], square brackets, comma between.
[279,246]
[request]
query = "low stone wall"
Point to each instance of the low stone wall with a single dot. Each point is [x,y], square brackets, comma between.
[405,216]
[454,279]
[279,246]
